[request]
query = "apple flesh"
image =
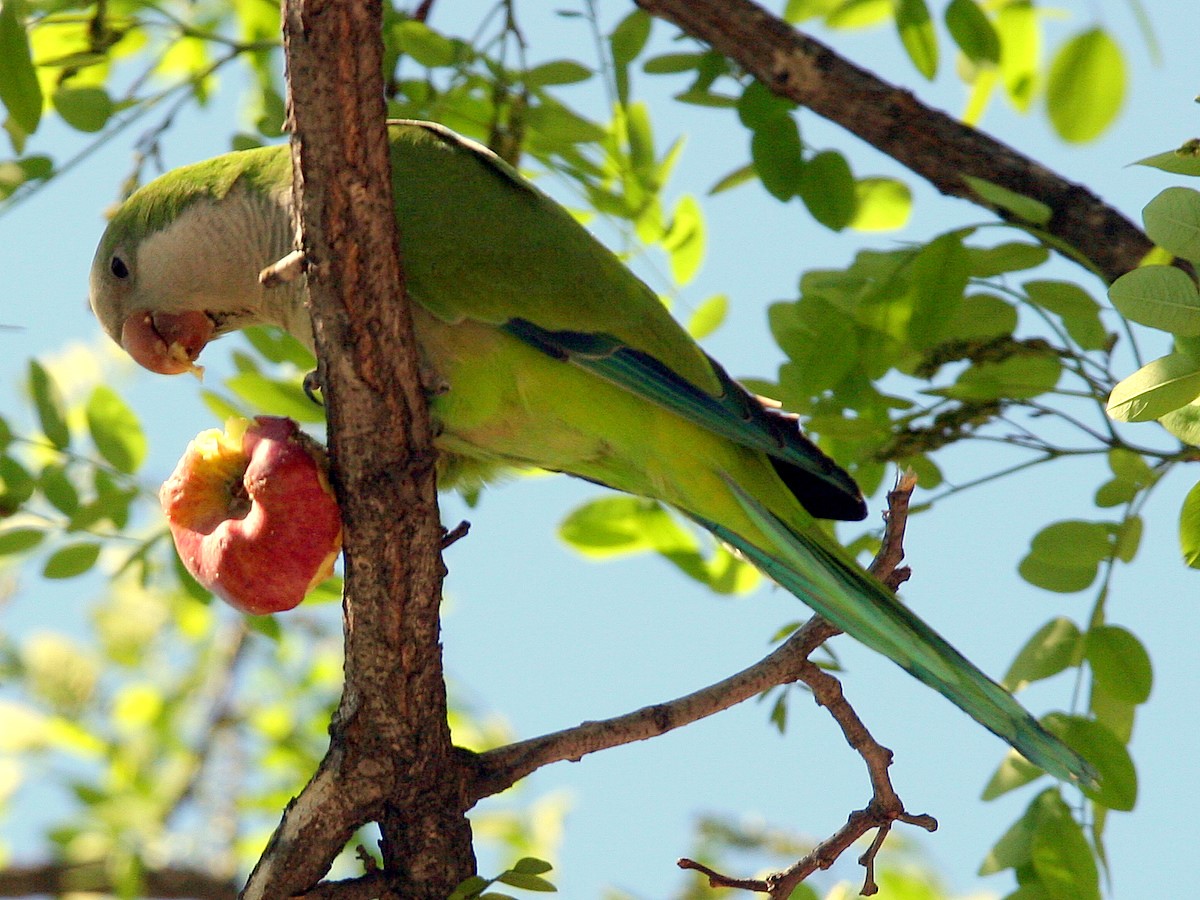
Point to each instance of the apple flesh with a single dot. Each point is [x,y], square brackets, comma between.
[253,515]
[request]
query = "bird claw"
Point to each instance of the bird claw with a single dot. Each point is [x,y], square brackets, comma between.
[311,385]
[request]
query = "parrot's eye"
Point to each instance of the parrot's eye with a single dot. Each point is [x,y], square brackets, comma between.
[119,269]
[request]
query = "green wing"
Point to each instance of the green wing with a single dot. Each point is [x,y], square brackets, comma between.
[570,297]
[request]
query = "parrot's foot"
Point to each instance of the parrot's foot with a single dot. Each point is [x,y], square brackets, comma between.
[311,385]
[284,270]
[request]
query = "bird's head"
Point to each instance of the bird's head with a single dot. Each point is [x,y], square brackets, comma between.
[178,264]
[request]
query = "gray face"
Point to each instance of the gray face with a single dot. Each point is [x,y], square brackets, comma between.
[204,262]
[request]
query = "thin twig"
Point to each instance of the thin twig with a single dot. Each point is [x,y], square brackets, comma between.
[885,807]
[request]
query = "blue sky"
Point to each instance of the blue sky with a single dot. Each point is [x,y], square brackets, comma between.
[548,639]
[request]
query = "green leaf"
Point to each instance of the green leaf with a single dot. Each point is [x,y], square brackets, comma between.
[1054,647]
[1155,389]
[1080,314]
[627,41]
[629,37]
[1184,161]
[1019,377]
[972,31]
[939,275]
[776,153]
[423,44]
[19,89]
[1173,221]
[529,865]
[708,316]
[1015,256]
[1100,747]
[115,430]
[859,13]
[1086,86]
[759,106]
[1033,211]
[1120,663]
[18,540]
[560,71]
[281,398]
[733,179]
[526,882]
[672,63]
[1061,857]
[49,405]
[84,109]
[72,560]
[1014,772]
[1020,30]
[1012,850]
[881,204]
[1189,527]
[1065,556]
[16,486]
[58,489]
[684,240]
[828,190]
[918,35]
[1162,297]
[278,346]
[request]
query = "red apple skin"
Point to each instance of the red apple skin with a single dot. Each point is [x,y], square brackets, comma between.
[253,515]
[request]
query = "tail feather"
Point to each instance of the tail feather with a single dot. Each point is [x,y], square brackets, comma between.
[864,609]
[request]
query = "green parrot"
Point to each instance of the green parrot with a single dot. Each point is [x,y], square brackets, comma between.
[538,348]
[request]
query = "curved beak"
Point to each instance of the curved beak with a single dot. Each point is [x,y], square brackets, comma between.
[167,343]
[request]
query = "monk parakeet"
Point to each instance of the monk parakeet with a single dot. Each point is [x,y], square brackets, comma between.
[539,349]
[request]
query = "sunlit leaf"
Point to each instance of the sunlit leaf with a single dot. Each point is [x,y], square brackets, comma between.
[1158,296]
[1020,34]
[1189,527]
[1086,86]
[115,430]
[1183,161]
[708,316]
[881,204]
[1173,221]
[1054,647]
[1155,389]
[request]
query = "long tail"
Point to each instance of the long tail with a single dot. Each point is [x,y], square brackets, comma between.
[860,606]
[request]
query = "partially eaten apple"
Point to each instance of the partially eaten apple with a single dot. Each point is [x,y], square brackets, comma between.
[253,514]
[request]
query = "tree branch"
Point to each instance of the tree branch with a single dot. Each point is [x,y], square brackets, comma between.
[58,879]
[935,146]
[499,769]
[390,758]
[885,807]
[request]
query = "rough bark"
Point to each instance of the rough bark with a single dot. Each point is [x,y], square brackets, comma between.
[390,759]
